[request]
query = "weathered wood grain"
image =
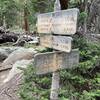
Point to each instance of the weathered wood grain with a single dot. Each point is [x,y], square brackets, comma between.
[59,22]
[61,43]
[53,61]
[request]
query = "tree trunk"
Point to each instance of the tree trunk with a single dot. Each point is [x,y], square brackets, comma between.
[94,15]
[26,25]
[85,20]
[64,4]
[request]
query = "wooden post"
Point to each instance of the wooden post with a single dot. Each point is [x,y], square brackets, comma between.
[26,25]
[55,86]
[55,75]
[57,5]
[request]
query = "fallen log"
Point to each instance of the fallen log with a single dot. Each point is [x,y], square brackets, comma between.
[8,38]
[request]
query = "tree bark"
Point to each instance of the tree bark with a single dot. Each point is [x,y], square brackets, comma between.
[26,25]
[64,4]
[94,15]
[85,20]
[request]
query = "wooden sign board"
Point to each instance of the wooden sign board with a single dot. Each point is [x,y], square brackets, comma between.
[65,22]
[46,41]
[44,23]
[53,61]
[62,43]
[60,22]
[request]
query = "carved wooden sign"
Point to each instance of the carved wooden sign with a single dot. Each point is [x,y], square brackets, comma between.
[53,61]
[44,23]
[46,41]
[62,43]
[60,22]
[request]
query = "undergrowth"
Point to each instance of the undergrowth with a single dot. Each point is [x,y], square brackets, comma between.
[80,83]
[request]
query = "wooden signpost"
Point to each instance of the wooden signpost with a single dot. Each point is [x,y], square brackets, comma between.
[50,25]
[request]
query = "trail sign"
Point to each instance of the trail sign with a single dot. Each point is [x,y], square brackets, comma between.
[44,23]
[53,61]
[62,22]
[62,43]
[46,41]
[65,22]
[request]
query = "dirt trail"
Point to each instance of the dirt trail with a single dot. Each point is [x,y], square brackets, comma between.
[3,75]
[9,91]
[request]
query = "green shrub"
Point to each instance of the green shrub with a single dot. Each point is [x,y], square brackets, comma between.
[80,83]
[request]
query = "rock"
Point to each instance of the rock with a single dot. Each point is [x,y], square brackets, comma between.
[18,55]
[5,51]
[19,58]
[3,54]
[9,89]
[15,70]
